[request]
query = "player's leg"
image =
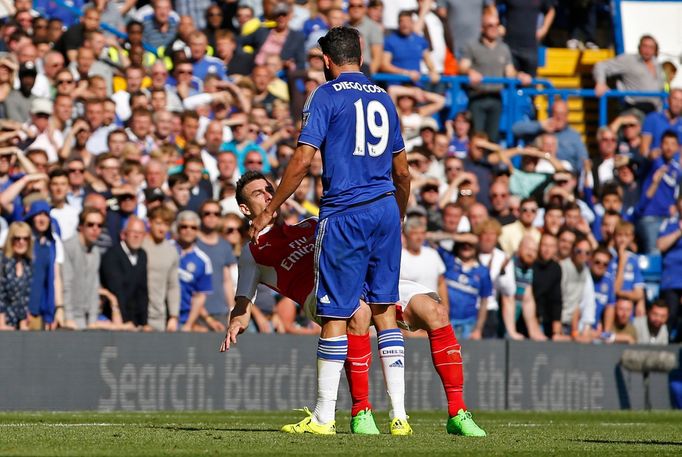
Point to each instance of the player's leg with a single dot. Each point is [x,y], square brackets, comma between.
[382,294]
[357,371]
[340,268]
[424,312]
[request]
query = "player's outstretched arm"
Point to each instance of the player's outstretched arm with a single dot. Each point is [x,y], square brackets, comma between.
[401,180]
[239,321]
[298,168]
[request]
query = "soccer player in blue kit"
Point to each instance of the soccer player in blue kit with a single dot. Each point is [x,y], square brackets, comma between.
[366,180]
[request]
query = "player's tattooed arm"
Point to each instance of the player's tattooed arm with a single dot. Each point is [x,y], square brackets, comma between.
[401,180]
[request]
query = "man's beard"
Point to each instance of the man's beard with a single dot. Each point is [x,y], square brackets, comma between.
[328,74]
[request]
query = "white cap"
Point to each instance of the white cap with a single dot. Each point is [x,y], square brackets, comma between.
[41,106]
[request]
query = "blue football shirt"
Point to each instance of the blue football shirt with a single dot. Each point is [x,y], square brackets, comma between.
[355,125]
[194,271]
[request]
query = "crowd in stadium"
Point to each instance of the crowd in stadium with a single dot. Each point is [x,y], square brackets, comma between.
[124,133]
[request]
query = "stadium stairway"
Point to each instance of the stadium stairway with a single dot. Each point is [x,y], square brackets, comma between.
[572,69]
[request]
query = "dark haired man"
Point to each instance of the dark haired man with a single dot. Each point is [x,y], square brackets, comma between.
[355,125]
[276,268]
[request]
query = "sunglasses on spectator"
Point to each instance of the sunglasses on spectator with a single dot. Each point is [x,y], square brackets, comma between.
[254,162]
[189,227]
[453,169]
[76,170]
[560,182]
[65,81]
[17,239]
[184,72]
[582,251]
[629,125]
[600,263]
[93,224]
[356,5]
[211,213]
[230,230]
[527,209]
[499,195]
[430,188]
[215,14]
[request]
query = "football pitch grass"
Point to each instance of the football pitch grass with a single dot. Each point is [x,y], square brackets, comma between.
[257,433]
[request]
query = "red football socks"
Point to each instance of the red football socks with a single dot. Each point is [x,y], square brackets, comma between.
[357,370]
[447,359]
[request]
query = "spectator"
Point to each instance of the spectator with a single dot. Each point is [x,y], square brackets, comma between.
[469,305]
[373,37]
[80,272]
[64,214]
[124,273]
[463,17]
[203,64]
[420,263]
[161,27]
[134,77]
[575,320]
[99,133]
[657,123]
[623,330]
[17,104]
[546,282]
[195,271]
[200,188]
[460,131]
[566,239]
[179,186]
[628,126]
[604,166]
[624,267]
[15,277]
[488,57]
[74,36]
[501,270]
[241,145]
[636,72]
[571,147]
[499,202]
[660,188]
[670,244]
[513,233]
[652,329]
[196,9]
[163,285]
[218,304]
[527,24]
[45,302]
[279,40]
[604,290]
[404,51]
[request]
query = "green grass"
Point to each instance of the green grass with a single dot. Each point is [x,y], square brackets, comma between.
[256,433]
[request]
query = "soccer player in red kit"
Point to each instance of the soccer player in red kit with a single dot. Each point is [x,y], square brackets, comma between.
[284,261]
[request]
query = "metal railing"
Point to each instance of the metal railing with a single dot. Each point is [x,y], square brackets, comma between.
[456,86]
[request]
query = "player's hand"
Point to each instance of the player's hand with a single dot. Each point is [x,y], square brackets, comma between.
[258,224]
[233,330]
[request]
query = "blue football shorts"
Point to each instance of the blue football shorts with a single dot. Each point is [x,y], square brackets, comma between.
[357,254]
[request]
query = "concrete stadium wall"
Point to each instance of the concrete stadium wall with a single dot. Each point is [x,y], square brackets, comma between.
[147,372]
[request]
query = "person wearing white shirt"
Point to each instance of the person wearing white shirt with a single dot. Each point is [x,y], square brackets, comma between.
[419,263]
[501,269]
[65,214]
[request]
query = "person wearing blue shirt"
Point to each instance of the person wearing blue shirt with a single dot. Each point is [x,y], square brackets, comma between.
[670,244]
[604,289]
[366,181]
[404,51]
[241,145]
[469,286]
[660,188]
[194,271]
[624,267]
[657,123]
[571,146]
[202,64]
